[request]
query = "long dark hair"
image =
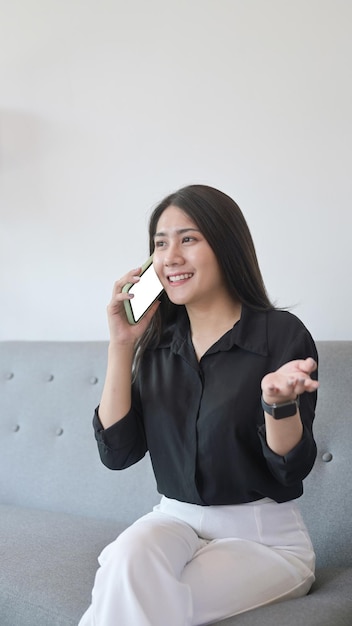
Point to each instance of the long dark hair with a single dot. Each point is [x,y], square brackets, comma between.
[223,225]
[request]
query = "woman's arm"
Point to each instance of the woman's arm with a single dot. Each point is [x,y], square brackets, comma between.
[285,385]
[115,401]
[116,397]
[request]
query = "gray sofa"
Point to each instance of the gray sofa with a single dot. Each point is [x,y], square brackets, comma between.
[59,506]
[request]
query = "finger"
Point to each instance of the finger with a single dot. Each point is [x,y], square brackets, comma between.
[308,365]
[311,385]
[282,387]
[302,384]
[132,277]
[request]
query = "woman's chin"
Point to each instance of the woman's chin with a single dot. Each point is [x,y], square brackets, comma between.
[176,298]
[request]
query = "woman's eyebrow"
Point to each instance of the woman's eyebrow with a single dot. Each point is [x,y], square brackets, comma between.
[179,231]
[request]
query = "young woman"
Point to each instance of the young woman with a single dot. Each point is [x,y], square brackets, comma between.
[220,387]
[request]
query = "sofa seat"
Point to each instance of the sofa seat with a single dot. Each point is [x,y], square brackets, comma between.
[318,608]
[41,550]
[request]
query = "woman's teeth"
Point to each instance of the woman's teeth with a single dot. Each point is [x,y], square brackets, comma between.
[175,279]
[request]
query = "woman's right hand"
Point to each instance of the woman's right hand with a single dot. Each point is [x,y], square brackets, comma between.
[121,331]
[116,397]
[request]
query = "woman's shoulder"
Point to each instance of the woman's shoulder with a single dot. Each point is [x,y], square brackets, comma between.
[285,318]
[287,329]
[273,319]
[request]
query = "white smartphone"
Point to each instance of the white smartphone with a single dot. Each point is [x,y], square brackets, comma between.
[145,292]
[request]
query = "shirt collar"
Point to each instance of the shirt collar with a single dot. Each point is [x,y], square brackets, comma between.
[249,333]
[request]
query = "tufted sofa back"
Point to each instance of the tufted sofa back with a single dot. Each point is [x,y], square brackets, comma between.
[327,500]
[48,455]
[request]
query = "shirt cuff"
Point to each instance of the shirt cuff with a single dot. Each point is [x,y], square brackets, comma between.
[117,436]
[294,466]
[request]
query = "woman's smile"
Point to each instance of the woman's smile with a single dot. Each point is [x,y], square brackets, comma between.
[177,279]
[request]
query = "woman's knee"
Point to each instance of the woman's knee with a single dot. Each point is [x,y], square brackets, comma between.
[152,540]
[128,545]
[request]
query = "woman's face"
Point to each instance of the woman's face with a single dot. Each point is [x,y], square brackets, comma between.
[184,261]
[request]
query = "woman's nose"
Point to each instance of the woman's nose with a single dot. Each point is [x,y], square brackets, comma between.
[173,255]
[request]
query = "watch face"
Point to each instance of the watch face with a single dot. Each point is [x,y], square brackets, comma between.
[285,410]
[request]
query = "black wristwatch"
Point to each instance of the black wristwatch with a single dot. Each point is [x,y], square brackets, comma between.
[280,411]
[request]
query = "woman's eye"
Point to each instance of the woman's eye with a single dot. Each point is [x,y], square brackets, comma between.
[188,239]
[159,244]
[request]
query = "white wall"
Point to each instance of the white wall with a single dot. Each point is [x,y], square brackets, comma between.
[108,105]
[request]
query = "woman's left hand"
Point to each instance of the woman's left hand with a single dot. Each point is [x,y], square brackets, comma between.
[289,381]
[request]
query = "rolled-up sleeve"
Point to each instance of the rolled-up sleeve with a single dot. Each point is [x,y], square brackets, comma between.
[123,443]
[294,466]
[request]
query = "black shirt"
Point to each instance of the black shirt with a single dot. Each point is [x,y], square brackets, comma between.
[202,422]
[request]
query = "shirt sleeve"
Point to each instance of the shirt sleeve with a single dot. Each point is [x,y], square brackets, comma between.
[123,443]
[296,465]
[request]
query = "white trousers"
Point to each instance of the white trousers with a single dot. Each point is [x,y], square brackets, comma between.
[187,565]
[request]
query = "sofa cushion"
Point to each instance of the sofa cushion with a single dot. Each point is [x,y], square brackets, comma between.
[328,604]
[49,561]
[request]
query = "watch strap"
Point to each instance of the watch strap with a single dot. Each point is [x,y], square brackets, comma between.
[281,410]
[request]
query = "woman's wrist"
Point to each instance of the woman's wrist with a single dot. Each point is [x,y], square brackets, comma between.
[120,346]
[280,410]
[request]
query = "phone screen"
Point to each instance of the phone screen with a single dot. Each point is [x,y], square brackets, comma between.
[145,292]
